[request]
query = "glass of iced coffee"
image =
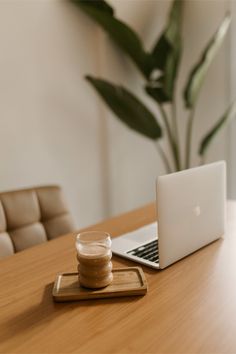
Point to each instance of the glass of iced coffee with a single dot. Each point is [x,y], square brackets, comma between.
[94,256]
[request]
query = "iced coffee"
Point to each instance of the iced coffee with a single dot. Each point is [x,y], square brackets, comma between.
[94,257]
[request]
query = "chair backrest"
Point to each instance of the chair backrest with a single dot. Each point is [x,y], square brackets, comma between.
[32,216]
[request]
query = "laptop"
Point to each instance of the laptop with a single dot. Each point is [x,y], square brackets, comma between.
[191,213]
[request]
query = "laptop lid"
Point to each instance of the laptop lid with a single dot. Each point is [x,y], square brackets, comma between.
[191,210]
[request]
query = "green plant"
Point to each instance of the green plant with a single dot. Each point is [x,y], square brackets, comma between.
[160,68]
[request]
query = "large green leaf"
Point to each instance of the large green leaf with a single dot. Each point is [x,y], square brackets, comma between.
[166,56]
[120,33]
[199,71]
[128,108]
[98,4]
[229,114]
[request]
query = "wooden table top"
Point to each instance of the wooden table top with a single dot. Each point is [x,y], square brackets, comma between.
[190,307]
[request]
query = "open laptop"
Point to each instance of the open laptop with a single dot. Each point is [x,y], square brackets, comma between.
[191,214]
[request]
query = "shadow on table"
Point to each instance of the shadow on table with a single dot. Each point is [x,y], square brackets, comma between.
[47,311]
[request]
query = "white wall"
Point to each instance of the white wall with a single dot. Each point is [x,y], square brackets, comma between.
[49,123]
[54,129]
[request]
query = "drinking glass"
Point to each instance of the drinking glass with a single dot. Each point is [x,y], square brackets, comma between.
[94,256]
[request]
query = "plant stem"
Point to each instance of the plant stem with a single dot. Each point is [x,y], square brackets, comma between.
[164,157]
[189,138]
[170,137]
[176,132]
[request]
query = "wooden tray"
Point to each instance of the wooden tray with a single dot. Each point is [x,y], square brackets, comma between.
[126,282]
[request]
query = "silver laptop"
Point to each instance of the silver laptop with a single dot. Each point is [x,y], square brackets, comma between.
[191,208]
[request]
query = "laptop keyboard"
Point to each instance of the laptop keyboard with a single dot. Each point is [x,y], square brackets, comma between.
[148,251]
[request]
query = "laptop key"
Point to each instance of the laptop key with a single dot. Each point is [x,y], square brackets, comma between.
[147,252]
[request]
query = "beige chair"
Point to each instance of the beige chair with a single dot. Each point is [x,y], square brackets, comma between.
[32,216]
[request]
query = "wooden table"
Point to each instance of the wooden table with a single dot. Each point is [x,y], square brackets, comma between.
[190,307]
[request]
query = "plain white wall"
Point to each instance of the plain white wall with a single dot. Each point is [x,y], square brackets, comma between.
[49,123]
[54,128]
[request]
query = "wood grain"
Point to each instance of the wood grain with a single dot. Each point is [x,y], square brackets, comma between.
[190,306]
[126,282]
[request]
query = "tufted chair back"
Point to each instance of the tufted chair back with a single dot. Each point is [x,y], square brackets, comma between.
[32,216]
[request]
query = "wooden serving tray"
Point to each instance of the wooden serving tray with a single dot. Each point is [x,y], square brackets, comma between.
[126,282]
